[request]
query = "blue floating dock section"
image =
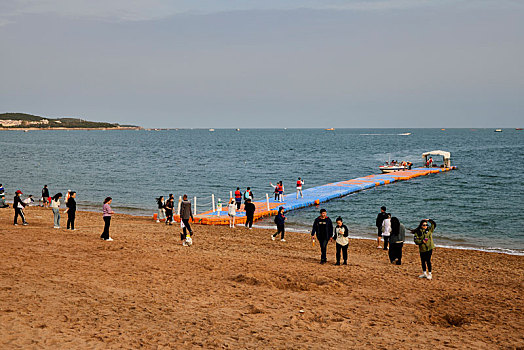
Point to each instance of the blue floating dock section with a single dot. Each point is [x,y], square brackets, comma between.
[317,195]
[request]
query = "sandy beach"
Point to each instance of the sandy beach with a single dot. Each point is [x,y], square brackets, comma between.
[237,289]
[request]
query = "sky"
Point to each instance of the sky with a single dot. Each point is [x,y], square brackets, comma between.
[271,63]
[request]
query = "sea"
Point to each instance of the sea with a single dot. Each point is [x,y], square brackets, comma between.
[478,206]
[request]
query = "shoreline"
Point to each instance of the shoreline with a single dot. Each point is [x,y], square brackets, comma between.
[237,288]
[51,129]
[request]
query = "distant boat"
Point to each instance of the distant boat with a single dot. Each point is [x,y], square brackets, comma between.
[518,128]
[330,129]
[498,130]
[405,134]
[211,129]
[443,129]
[237,129]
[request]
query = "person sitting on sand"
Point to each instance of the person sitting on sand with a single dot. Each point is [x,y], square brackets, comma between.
[2,190]
[232,212]
[396,241]
[323,229]
[3,203]
[29,200]
[341,237]
[280,220]
[424,239]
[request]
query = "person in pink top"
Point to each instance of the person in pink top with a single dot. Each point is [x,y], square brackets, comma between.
[107,211]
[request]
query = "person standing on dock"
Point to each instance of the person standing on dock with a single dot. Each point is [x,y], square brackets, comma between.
[424,239]
[185,214]
[248,195]
[323,229]
[300,183]
[280,187]
[250,212]
[71,211]
[280,220]
[380,217]
[275,187]
[169,206]
[45,196]
[238,198]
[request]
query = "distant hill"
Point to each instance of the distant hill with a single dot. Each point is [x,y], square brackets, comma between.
[22,120]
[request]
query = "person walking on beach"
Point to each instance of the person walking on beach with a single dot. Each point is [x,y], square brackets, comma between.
[55,207]
[396,241]
[169,207]
[161,211]
[185,214]
[71,210]
[238,198]
[380,217]
[106,215]
[18,206]
[280,220]
[45,196]
[424,239]
[323,229]
[386,230]
[250,213]
[300,183]
[342,240]
[232,212]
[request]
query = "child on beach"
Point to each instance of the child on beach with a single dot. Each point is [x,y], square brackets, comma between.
[342,240]
[280,220]
[424,239]
[232,212]
[107,212]
[55,207]
[386,230]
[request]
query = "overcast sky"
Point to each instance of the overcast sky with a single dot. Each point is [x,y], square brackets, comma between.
[266,63]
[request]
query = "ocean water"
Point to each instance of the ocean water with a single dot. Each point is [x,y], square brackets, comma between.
[478,206]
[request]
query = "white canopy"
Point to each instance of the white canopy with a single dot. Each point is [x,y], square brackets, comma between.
[444,154]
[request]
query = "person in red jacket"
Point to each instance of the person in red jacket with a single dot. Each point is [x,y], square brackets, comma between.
[300,183]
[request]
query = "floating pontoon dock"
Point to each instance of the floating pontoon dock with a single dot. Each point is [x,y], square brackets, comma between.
[316,195]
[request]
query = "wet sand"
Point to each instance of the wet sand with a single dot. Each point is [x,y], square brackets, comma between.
[236,288]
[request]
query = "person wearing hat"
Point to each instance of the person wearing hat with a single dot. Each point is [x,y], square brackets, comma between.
[18,206]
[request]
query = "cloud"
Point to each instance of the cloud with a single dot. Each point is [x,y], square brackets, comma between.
[141,10]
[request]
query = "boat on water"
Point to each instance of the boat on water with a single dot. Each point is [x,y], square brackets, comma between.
[498,130]
[237,129]
[330,129]
[405,134]
[391,168]
[211,129]
[518,128]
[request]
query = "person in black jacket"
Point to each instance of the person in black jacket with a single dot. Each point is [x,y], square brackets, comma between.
[71,210]
[396,241]
[380,217]
[18,206]
[250,212]
[45,196]
[280,220]
[323,229]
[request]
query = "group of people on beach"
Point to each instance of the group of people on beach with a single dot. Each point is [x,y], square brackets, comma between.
[166,211]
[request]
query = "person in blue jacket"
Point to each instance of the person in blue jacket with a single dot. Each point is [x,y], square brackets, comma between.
[323,229]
